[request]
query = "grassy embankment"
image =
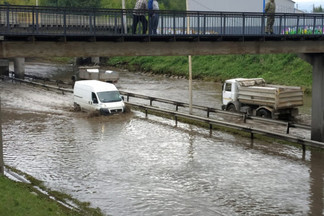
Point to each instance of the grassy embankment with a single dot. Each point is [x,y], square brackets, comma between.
[283,69]
[23,199]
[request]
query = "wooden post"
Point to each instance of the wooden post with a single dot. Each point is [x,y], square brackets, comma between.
[190,65]
[1,146]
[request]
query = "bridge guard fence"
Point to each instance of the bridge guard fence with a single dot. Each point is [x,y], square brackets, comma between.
[53,21]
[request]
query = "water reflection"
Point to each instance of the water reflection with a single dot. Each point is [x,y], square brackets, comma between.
[132,165]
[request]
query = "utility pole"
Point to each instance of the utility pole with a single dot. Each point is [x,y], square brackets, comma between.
[190,63]
[1,146]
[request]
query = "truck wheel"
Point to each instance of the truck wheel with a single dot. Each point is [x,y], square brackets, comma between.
[263,113]
[231,108]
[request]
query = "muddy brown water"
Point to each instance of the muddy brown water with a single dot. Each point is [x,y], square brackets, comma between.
[131,165]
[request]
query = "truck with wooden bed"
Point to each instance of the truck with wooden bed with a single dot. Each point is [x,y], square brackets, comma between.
[255,97]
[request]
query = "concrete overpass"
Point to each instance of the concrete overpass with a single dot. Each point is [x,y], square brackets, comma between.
[40,31]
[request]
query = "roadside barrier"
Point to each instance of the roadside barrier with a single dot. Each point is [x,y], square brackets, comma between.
[176,114]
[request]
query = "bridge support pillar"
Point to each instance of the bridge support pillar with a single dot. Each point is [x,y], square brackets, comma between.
[4,67]
[19,68]
[317,60]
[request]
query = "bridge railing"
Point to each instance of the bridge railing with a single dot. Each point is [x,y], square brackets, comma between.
[38,21]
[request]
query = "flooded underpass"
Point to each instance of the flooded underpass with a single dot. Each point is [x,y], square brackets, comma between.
[132,165]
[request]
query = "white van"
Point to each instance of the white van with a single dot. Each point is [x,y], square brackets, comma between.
[95,95]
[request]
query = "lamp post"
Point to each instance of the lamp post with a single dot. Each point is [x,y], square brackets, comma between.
[190,63]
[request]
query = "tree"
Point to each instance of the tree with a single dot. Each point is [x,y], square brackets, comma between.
[72,3]
[18,2]
[318,9]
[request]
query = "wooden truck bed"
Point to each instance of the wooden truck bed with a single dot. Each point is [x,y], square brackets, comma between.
[277,97]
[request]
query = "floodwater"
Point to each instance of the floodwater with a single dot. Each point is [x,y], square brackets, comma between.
[132,165]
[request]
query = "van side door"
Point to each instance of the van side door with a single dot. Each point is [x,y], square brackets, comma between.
[94,103]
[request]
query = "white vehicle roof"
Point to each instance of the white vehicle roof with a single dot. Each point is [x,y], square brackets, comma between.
[96,85]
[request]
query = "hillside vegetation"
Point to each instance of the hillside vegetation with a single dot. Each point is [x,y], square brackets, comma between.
[283,69]
[164,4]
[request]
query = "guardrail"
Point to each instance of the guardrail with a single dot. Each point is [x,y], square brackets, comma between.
[177,104]
[252,131]
[95,22]
[209,110]
[302,141]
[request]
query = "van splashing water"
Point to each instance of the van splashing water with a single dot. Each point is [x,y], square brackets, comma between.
[97,96]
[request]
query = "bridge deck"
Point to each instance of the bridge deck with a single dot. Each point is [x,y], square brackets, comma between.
[77,24]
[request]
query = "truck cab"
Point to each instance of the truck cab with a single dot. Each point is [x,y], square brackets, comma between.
[229,95]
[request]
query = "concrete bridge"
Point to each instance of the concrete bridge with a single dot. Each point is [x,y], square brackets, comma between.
[76,32]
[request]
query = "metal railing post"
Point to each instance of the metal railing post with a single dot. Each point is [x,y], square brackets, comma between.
[8,19]
[314,25]
[64,22]
[95,24]
[243,27]
[174,24]
[297,30]
[33,19]
[280,24]
[263,24]
[1,145]
[37,21]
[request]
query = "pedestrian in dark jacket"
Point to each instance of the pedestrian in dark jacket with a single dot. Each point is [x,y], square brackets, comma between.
[270,10]
[154,16]
[139,15]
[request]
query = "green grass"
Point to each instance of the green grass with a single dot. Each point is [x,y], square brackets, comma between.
[22,199]
[283,69]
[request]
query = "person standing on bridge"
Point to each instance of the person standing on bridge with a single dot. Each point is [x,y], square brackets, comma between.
[270,10]
[153,7]
[139,15]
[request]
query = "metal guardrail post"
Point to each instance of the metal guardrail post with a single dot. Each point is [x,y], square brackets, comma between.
[288,128]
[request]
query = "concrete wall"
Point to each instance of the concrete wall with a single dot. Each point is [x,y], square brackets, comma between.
[11,49]
[283,6]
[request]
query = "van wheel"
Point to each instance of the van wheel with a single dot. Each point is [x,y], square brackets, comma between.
[263,113]
[77,107]
[231,108]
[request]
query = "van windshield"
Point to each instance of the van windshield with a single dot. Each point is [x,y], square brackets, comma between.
[109,96]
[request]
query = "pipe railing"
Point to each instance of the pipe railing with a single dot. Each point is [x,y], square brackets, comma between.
[38,21]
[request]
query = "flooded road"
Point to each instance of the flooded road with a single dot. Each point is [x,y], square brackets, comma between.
[131,165]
